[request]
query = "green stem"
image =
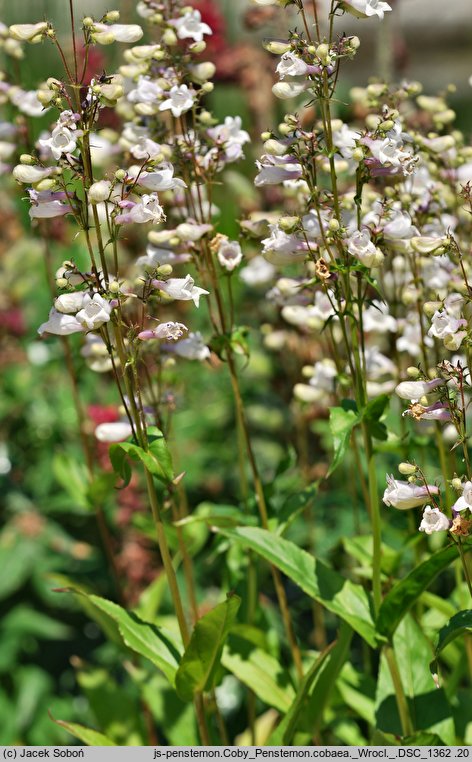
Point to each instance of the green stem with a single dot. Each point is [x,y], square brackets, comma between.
[402,701]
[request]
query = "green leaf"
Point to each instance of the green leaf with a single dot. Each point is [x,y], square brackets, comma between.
[202,656]
[154,643]
[342,420]
[372,414]
[339,595]
[429,708]
[86,735]
[327,665]
[156,458]
[259,671]
[458,625]
[406,592]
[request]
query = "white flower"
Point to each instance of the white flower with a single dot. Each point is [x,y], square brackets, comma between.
[181,99]
[47,204]
[376,318]
[27,32]
[62,141]
[27,101]
[291,66]
[94,313]
[29,175]
[60,324]
[465,500]
[192,348]
[161,179]
[345,140]
[183,289]
[258,272]
[96,354]
[146,91]
[443,324]
[276,169]
[282,248]
[145,149]
[433,521]
[229,255]
[361,247]
[147,209]
[70,303]
[116,431]
[99,191]
[324,375]
[168,331]
[191,26]
[414,390]
[403,495]
[105,34]
[287,90]
[365,8]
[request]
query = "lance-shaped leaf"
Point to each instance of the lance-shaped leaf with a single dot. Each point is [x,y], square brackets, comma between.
[458,625]
[156,458]
[319,680]
[86,735]
[336,593]
[341,423]
[202,656]
[406,592]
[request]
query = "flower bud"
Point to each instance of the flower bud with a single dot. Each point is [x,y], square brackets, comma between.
[197,47]
[203,71]
[456,483]
[112,16]
[120,175]
[208,87]
[413,372]
[47,184]
[408,469]
[45,96]
[288,224]
[285,129]
[26,158]
[278,47]
[169,37]
[274,147]
[206,118]
[287,90]
[266,136]
[164,270]
[87,22]
[322,53]
[333,225]
[354,42]
[62,282]
[114,287]
[429,308]
[99,191]
[358,154]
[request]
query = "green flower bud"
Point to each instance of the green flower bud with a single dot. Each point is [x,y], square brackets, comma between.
[408,469]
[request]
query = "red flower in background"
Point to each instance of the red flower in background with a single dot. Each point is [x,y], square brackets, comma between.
[212,15]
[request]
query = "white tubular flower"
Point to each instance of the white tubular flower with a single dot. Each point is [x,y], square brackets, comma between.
[105,34]
[28,32]
[116,431]
[229,255]
[95,312]
[62,141]
[191,26]
[161,179]
[27,101]
[283,248]
[403,495]
[47,204]
[145,149]
[96,354]
[465,500]
[414,390]
[167,331]
[70,303]
[433,521]
[287,90]
[324,375]
[444,325]
[60,324]
[99,191]
[291,66]
[258,272]
[181,100]
[191,348]
[377,318]
[276,169]
[182,289]
[361,247]
[29,175]
[345,140]
[366,8]
[147,209]
[146,91]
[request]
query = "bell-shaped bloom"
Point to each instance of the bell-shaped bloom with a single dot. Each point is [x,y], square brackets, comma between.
[366,8]
[147,209]
[105,34]
[229,255]
[414,390]
[465,500]
[165,331]
[443,324]
[182,289]
[48,204]
[191,348]
[71,303]
[276,169]
[290,65]
[116,431]
[146,91]
[403,495]
[434,521]
[191,26]
[95,312]
[62,141]
[60,324]
[161,179]
[436,412]
[180,100]
[361,247]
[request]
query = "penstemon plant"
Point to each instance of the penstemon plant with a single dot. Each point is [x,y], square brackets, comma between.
[373,224]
